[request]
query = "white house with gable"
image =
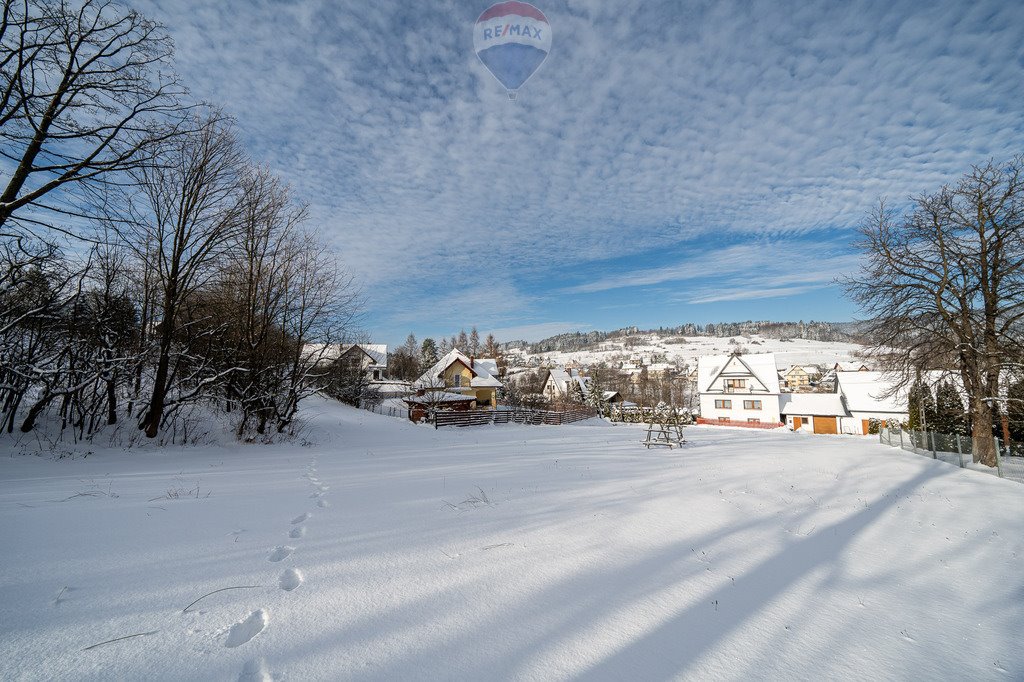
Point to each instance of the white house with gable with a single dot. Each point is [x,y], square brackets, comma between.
[739,389]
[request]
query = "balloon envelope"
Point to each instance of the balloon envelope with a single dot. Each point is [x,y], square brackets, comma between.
[512,39]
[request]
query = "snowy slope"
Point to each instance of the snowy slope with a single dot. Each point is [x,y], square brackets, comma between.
[391,551]
[793,352]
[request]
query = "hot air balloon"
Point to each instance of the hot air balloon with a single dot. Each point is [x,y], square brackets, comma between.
[512,39]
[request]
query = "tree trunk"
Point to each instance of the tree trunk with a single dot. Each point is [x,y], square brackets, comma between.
[983,445]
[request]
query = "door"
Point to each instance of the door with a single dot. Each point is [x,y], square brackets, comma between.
[797,423]
[825,425]
[865,427]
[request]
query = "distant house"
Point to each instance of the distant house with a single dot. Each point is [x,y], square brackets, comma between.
[558,383]
[801,376]
[870,395]
[371,358]
[462,374]
[815,412]
[739,389]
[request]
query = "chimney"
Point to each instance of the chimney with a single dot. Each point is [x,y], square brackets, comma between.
[472,362]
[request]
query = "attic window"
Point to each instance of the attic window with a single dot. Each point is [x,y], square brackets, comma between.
[735,383]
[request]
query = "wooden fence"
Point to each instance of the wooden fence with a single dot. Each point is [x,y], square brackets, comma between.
[514,416]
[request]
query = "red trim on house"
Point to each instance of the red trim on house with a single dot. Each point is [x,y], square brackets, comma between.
[746,425]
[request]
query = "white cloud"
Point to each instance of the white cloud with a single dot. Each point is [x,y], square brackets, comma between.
[649,127]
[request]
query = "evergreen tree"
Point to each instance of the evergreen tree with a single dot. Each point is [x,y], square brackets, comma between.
[921,407]
[492,349]
[474,342]
[462,341]
[428,353]
[595,394]
[575,392]
[949,410]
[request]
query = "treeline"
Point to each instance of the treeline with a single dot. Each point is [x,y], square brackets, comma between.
[150,271]
[411,359]
[577,341]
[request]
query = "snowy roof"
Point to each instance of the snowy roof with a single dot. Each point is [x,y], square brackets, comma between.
[378,352]
[813,404]
[759,365]
[850,366]
[866,391]
[437,397]
[484,370]
[561,379]
[806,369]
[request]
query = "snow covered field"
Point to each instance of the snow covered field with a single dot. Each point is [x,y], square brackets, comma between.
[390,551]
[792,352]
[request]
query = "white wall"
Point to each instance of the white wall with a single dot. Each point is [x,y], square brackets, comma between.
[768,413]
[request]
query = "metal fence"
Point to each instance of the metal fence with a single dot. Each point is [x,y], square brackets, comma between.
[956,449]
[387,410]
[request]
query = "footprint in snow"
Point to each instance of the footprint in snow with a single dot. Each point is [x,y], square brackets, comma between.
[242,632]
[280,553]
[255,670]
[322,488]
[315,495]
[322,503]
[300,518]
[290,579]
[297,532]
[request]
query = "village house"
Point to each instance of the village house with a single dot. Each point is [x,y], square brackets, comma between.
[739,390]
[462,374]
[370,358]
[558,383]
[802,376]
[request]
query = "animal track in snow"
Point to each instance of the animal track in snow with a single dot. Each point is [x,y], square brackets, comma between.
[297,532]
[290,579]
[300,518]
[242,632]
[280,553]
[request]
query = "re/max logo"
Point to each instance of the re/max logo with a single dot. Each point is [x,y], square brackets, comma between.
[512,30]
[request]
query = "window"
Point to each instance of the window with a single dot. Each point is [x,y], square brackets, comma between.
[733,384]
[723,419]
[457,380]
[751,420]
[723,404]
[751,404]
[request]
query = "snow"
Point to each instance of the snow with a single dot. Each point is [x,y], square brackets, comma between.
[867,392]
[494,552]
[787,353]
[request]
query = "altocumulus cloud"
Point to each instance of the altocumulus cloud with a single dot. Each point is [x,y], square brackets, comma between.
[659,127]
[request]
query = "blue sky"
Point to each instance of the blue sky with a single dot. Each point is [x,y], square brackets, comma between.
[669,162]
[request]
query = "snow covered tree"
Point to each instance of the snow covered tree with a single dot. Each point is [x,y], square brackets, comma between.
[921,407]
[575,393]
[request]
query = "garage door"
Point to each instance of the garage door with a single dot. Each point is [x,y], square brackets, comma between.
[825,425]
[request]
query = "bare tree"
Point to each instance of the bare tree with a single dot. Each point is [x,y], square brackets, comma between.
[86,92]
[943,287]
[179,218]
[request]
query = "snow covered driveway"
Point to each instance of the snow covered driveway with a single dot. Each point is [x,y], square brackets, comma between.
[390,551]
